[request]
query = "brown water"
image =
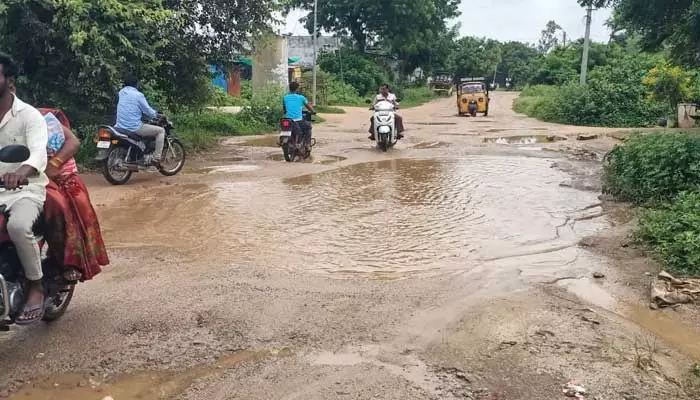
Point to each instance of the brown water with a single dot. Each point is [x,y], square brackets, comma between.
[391,218]
[523,140]
[143,386]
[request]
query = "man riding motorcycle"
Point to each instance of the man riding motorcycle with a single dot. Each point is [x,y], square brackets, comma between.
[23,124]
[386,95]
[132,106]
[293,105]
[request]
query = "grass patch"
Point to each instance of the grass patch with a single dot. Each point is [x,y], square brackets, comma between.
[661,171]
[416,96]
[672,233]
[653,167]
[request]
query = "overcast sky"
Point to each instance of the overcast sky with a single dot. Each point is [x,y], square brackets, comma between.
[521,20]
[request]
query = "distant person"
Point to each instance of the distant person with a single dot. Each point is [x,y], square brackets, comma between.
[293,105]
[386,95]
[131,108]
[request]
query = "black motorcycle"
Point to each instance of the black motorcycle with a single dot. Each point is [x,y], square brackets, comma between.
[58,290]
[295,145]
[122,152]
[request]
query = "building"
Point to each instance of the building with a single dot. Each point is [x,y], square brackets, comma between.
[303,47]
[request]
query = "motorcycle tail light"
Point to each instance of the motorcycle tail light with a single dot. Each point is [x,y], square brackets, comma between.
[286,124]
[104,134]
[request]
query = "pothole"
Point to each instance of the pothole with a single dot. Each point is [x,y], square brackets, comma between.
[432,123]
[230,168]
[521,140]
[430,145]
[145,386]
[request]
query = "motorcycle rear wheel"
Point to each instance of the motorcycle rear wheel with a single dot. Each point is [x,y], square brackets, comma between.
[288,157]
[59,304]
[109,169]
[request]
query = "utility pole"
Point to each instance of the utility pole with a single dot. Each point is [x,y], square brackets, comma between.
[315,38]
[586,44]
[564,38]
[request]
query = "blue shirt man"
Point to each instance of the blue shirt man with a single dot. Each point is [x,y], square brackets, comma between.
[294,103]
[131,108]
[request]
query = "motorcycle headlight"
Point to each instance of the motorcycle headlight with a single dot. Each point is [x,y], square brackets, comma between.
[384,129]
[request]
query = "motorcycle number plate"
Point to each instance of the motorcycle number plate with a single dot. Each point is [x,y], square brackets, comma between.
[103,144]
[286,133]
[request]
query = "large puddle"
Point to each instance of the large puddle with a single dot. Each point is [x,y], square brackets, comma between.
[385,219]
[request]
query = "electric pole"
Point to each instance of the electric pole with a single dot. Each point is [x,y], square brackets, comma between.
[586,44]
[315,38]
[564,41]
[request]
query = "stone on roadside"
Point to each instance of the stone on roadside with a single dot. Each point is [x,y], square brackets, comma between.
[598,275]
[589,136]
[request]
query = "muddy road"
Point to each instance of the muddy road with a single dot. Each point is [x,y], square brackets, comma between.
[457,266]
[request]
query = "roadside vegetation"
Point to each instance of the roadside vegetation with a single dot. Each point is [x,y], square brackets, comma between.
[661,173]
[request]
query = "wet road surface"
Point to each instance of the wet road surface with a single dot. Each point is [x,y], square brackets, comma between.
[416,273]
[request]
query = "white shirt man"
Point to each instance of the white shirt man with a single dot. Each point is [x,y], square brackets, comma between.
[22,124]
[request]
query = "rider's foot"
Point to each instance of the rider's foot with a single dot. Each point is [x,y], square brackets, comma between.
[34,308]
[400,136]
[371,137]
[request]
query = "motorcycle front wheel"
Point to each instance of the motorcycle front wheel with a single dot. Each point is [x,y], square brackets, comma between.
[173,158]
[58,305]
[113,169]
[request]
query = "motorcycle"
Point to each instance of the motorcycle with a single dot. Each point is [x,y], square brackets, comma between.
[385,125]
[291,140]
[122,153]
[13,285]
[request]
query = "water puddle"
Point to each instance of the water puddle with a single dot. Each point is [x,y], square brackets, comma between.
[145,386]
[432,123]
[329,160]
[430,145]
[230,168]
[660,323]
[262,141]
[525,140]
[372,219]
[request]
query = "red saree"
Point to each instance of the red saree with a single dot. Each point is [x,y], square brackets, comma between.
[73,231]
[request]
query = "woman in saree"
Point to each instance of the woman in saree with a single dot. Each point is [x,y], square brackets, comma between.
[73,230]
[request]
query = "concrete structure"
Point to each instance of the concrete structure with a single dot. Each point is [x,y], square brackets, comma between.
[686,114]
[270,63]
[303,46]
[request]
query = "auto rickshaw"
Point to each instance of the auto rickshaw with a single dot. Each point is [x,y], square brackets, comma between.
[473,97]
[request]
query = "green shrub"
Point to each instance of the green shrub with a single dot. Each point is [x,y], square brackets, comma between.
[653,167]
[672,234]
[415,96]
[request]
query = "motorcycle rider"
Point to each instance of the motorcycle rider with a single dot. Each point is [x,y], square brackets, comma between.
[293,105]
[23,124]
[386,95]
[132,106]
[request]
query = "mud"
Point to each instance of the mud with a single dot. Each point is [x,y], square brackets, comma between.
[451,267]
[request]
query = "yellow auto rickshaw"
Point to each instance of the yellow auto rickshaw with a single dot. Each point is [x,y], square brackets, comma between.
[473,97]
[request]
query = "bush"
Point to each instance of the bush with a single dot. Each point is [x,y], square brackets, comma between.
[415,96]
[672,234]
[653,167]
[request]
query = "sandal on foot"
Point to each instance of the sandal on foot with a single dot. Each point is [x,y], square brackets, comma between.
[31,314]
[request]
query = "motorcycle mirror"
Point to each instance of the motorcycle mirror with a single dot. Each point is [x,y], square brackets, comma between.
[14,153]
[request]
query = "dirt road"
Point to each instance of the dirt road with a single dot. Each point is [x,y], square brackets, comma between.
[449,268]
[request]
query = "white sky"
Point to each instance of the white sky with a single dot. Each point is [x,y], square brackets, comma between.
[520,20]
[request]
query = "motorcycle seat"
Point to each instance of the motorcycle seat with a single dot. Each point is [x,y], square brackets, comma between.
[130,134]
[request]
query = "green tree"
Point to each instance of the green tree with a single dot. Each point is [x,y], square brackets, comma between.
[475,57]
[549,39]
[519,62]
[74,53]
[362,71]
[669,84]
[660,23]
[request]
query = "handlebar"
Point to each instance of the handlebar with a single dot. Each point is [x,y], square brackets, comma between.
[25,182]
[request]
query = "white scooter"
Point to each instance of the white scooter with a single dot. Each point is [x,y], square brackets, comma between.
[385,125]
